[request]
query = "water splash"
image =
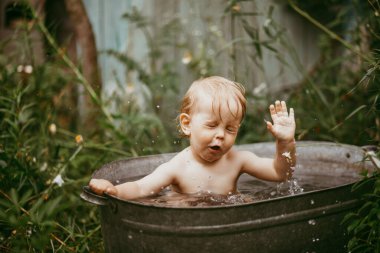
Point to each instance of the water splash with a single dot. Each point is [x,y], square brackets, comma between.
[288,187]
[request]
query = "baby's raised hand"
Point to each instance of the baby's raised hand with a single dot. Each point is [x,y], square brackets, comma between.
[100,186]
[284,126]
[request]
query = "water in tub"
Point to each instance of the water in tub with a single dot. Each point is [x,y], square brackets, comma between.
[307,177]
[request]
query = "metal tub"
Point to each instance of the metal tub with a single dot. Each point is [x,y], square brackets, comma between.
[306,222]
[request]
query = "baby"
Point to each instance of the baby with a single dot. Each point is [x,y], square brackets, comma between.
[211,113]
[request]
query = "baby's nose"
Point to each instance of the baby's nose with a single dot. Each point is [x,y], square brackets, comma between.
[219,133]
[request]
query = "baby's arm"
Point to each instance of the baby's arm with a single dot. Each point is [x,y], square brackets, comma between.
[149,185]
[283,129]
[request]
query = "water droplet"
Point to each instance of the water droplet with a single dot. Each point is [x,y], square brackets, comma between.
[157,106]
[312,202]
[130,237]
[152,141]
[312,222]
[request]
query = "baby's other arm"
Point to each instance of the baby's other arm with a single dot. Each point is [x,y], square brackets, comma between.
[151,184]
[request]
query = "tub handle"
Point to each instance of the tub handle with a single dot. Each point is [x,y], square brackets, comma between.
[92,197]
[370,152]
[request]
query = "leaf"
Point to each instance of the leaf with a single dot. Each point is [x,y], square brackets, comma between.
[349,116]
[52,205]
[361,183]
[353,225]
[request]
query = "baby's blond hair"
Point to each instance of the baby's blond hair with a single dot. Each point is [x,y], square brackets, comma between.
[218,88]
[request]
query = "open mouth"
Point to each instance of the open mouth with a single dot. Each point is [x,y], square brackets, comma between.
[216,148]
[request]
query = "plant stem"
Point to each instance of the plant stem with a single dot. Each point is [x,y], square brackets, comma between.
[332,34]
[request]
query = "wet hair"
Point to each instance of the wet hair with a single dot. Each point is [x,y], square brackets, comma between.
[219,88]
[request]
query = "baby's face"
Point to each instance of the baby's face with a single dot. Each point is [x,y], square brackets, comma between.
[213,128]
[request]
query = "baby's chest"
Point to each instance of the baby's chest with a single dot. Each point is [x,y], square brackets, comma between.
[207,181]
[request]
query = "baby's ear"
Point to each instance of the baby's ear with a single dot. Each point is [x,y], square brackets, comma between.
[184,120]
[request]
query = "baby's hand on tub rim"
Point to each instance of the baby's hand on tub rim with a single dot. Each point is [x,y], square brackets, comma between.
[101,186]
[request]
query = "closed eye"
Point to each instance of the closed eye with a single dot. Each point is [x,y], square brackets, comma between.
[211,125]
[232,129]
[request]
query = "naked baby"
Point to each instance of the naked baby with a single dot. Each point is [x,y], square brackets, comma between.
[211,113]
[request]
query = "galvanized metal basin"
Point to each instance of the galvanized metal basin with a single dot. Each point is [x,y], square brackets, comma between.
[307,222]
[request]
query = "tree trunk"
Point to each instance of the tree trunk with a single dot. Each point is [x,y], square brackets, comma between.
[89,61]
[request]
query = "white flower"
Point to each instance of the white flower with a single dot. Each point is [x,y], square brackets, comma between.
[58,180]
[44,166]
[52,128]
[187,57]
[20,68]
[28,69]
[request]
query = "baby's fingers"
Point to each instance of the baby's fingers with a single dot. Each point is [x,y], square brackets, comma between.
[291,114]
[269,126]
[284,110]
[111,190]
[99,186]
[278,106]
[273,113]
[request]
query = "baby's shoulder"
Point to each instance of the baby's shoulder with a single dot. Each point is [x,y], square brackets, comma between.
[180,158]
[236,152]
[242,155]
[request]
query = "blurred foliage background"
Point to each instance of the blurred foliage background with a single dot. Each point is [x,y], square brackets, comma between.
[47,155]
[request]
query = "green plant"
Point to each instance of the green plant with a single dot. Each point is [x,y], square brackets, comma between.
[363,226]
[44,165]
[345,104]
